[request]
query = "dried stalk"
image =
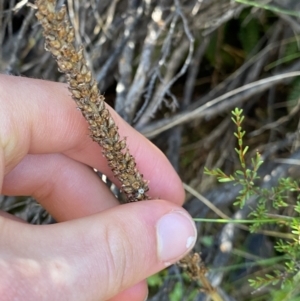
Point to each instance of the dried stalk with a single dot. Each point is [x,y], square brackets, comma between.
[59,39]
[196,271]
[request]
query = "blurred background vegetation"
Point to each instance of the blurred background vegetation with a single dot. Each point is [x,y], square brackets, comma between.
[175,69]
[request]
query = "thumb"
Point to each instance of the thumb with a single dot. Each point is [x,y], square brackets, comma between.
[96,257]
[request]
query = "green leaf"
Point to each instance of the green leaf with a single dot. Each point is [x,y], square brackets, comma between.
[224,180]
[245,150]
[177,292]
[155,280]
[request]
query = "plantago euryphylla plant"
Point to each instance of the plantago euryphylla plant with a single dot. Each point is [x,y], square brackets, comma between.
[59,40]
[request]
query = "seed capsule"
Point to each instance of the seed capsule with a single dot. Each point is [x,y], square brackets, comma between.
[121,166]
[101,105]
[112,132]
[111,122]
[92,123]
[135,185]
[127,189]
[94,88]
[123,177]
[84,90]
[116,172]
[43,9]
[107,147]
[127,156]
[131,164]
[80,53]
[66,50]
[104,113]
[73,83]
[109,156]
[88,77]
[76,93]
[120,145]
[108,141]
[50,16]
[55,44]
[80,78]
[61,13]
[64,66]
[138,176]
[61,31]
[126,183]
[132,171]
[112,165]
[87,108]
[83,69]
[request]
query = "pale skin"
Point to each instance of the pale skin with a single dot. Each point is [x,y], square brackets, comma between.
[98,250]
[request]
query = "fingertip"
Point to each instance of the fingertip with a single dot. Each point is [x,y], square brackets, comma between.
[176,235]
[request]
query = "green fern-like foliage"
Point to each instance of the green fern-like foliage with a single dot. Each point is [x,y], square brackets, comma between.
[274,199]
[244,176]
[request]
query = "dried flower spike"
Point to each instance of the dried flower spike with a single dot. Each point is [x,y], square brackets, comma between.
[59,39]
[196,270]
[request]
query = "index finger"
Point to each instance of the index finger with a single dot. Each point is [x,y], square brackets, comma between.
[39,117]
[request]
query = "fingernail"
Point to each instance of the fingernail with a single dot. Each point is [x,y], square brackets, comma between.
[146,298]
[176,235]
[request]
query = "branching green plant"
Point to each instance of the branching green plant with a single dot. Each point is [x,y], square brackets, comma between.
[267,201]
[244,176]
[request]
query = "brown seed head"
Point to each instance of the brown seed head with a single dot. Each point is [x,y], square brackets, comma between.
[59,38]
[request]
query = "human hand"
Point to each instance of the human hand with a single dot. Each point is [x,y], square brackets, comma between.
[99,250]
